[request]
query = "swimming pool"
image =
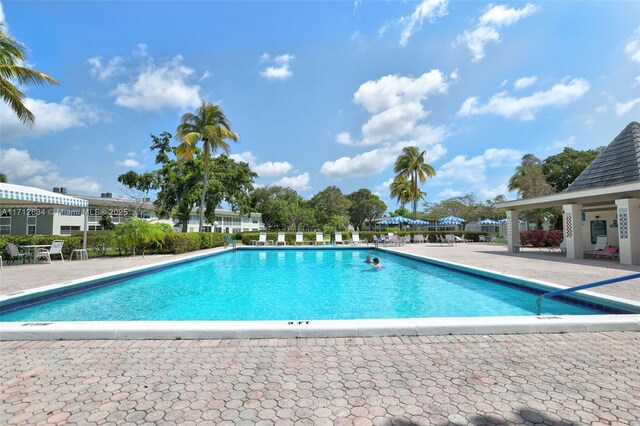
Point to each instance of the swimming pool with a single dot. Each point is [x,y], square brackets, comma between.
[295,284]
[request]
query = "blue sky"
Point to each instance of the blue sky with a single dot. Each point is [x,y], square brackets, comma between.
[323,93]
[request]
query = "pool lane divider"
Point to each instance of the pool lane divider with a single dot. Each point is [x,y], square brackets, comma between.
[301,328]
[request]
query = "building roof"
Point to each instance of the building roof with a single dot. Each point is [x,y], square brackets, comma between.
[19,195]
[619,163]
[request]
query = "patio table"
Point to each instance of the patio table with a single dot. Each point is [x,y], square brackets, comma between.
[34,249]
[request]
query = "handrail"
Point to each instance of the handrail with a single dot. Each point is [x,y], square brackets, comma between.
[582,287]
[229,241]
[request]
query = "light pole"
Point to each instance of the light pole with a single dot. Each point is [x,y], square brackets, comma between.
[215,225]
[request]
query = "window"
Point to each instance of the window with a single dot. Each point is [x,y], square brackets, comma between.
[95,228]
[66,230]
[206,228]
[236,230]
[31,224]
[5,223]
[254,221]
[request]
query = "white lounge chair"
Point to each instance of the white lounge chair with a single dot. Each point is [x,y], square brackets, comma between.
[281,239]
[56,248]
[338,238]
[450,239]
[481,239]
[262,240]
[355,239]
[601,243]
[299,238]
[319,238]
[418,238]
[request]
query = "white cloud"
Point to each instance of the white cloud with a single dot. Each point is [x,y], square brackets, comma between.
[129,162]
[356,5]
[18,164]
[79,185]
[50,117]
[272,168]
[244,157]
[394,90]
[632,48]
[395,103]
[561,144]
[486,30]
[373,162]
[110,147]
[160,86]
[430,9]
[280,68]
[623,108]
[524,108]
[636,81]
[345,138]
[205,76]
[523,82]
[477,39]
[473,170]
[266,169]
[103,72]
[21,168]
[502,15]
[299,183]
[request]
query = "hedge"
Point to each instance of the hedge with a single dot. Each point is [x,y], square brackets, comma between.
[290,237]
[541,238]
[99,241]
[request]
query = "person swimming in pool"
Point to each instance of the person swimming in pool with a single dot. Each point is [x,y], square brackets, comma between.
[368,260]
[376,263]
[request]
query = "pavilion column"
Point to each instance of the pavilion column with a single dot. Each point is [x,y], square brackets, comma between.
[513,231]
[573,230]
[629,230]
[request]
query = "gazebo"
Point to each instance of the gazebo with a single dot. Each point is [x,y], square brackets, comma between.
[603,201]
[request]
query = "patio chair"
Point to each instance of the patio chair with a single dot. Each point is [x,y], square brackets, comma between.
[262,240]
[458,239]
[481,239]
[418,238]
[601,242]
[319,238]
[355,238]
[56,248]
[610,252]
[281,239]
[449,239]
[299,238]
[338,238]
[15,254]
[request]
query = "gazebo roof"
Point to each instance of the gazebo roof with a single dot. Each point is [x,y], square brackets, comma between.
[619,163]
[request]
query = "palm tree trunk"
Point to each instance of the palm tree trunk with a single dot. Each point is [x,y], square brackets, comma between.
[205,183]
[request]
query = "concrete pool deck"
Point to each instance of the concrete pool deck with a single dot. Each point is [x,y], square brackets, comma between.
[552,379]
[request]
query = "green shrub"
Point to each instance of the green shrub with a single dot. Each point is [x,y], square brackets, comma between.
[181,242]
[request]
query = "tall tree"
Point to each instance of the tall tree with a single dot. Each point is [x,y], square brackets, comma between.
[528,178]
[3,178]
[365,206]
[562,169]
[13,70]
[400,189]
[281,208]
[210,126]
[330,202]
[411,164]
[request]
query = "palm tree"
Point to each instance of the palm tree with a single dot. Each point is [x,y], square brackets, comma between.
[212,127]
[12,70]
[411,165]
[401,189]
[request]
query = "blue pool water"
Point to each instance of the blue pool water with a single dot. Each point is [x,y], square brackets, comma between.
[293,285]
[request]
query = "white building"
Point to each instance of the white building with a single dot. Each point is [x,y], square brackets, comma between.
[603,201]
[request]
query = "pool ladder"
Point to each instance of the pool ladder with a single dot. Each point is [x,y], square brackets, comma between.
[582,287]
[228,241]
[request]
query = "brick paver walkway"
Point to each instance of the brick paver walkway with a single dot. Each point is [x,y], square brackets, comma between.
[561,379]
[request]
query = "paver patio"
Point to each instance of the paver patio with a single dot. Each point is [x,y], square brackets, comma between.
[562,379]
[554,379]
